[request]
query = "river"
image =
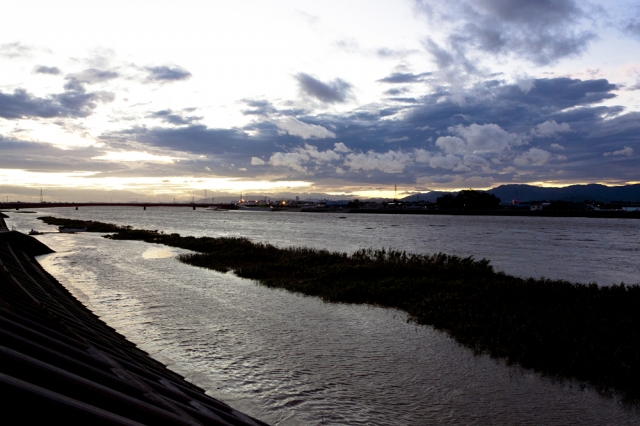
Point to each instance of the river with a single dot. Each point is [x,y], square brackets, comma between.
[295,360]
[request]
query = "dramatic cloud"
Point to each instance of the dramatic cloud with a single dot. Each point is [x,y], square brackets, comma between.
[302,155]
[541,31]
[486,138]
[628,151]
[336,91]
[535,156]
[447,161]
[387,162]
[295,127]
[550,128]
[42,69]
[453,95]
[164,74]
[72,103]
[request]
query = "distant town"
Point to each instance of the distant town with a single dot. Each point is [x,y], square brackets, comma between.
[577,200]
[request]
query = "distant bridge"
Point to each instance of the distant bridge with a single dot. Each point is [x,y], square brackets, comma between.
[24,206]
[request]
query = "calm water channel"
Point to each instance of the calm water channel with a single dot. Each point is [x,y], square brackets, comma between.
[294,360]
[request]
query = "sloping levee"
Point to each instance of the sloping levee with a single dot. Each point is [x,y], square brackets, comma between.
[58,361]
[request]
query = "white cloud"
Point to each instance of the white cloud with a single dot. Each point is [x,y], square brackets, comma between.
[557,146]
[486,138]
[340,170]
[340,147]
[292,160]
[474,160]
[451,144]
[448,161]
[526,84]
[628,151]
[255,161]
[550,128]
[320,156]
[422,156]
[388,162]
[295,127]
[461,168]
[299,156]
[535,156]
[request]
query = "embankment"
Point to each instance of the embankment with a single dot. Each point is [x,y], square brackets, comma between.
[60,364]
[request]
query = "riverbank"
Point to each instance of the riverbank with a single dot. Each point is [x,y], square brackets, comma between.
[58,361]
[558,328]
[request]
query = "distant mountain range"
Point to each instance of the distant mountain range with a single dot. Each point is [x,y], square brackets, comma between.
[575,193]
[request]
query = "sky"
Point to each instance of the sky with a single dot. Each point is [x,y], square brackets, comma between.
[156,100]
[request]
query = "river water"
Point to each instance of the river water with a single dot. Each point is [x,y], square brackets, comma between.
[295,360]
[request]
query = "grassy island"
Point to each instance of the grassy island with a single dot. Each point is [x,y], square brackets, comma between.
[562,329]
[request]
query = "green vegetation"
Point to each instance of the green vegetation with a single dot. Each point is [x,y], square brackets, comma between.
[566,330]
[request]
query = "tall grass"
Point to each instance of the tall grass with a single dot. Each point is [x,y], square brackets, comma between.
[559,328]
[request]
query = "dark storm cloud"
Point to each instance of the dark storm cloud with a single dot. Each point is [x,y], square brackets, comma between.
[400,77]
[336,91]
[548,128]
[163,74]
[508,105]
[542,31]
[42,69]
